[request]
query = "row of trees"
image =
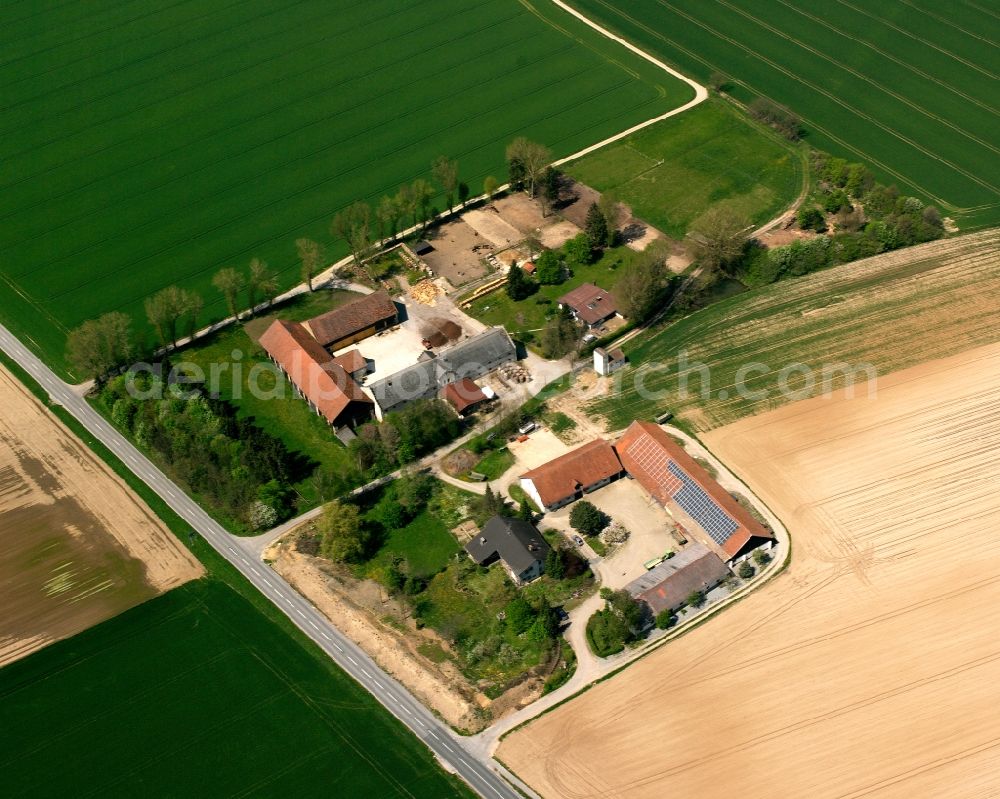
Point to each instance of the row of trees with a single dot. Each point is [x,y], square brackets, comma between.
[236,467]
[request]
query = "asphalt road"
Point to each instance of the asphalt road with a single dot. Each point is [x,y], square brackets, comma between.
[448,747]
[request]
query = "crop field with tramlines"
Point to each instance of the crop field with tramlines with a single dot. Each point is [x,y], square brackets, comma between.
[725,361]
[197,693]
[907,86]
[148,144]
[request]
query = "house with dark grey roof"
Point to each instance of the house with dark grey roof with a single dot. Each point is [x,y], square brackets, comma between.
[516,543]
[471,358]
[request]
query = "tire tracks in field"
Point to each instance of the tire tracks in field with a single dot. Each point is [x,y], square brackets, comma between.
[884,88]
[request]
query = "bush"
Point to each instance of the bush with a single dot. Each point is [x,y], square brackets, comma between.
[695,599]
[761,558]
[617,624]
[778,117]
[587,518]
[811,218]
[746,570]
[665,619]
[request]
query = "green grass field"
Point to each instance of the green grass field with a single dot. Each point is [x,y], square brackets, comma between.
[675,170]
[149,144]
[907,86]
[196,693]
[891,311]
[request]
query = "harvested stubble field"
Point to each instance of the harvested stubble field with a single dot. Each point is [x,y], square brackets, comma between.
[148,145]
[79,546]
[906,86]
[891,311]
[871,666]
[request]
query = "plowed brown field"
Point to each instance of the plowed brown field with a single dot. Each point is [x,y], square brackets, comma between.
[871,667]
[77,546]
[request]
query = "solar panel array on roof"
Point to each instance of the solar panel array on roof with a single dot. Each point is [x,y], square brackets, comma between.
[683,490]
[702,508]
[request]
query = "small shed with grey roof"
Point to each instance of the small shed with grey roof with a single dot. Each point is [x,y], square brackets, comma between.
[667,586]
[515,542]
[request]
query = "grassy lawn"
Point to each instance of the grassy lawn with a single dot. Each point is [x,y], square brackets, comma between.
[495,463]
[559,422]
[891,84]
[426,543]
[149,145]
[530,315]
[887,312]
[198,677]
[674,171]
[278,409]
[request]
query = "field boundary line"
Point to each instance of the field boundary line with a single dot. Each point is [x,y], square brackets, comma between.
[700,92]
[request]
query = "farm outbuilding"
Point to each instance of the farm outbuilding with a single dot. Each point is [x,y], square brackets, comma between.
[330,391]
[355,321]
[667,586]
[570,476]
[675,480]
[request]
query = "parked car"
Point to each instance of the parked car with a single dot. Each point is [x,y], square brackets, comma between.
[526,428]
[578,541]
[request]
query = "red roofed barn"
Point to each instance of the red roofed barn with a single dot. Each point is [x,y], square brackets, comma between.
[677,482]
[329,389]
[570,476]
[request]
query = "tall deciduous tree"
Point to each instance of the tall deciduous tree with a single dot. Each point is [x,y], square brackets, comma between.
[405,202]
[353,225]
[387,217]
[261,284]
[230,283]
[490,188]
[445,172]
[311,257]
[167,309]
[422,193]
[642,282]
[718,236]
[612,212]
[342,536]
[100,345]
[532,157]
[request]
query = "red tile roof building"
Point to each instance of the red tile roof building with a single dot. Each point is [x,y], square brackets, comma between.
[463,395]
[329,389]
[677,482]
[570,476]
[356,320]
[590,304]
